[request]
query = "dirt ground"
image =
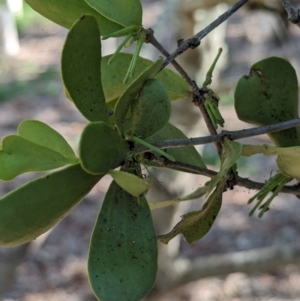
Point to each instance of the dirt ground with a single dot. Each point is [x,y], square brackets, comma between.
[55,267]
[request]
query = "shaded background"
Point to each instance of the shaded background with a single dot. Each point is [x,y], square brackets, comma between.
[54,267]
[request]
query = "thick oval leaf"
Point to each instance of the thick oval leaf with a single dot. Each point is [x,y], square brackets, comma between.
[268,95]
[19,155]
[122,261]
[42,134]
[129,12]
[187,154]
[81,57]
[101,148]
[113,75]
[151,111]
[37,206]
[194,225]
[66,12]
[131,92]
[131,183]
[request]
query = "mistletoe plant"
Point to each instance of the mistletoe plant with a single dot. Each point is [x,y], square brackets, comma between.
[127,102]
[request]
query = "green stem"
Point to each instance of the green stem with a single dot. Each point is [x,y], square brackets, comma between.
[129,36]
[284,180]
[150,146]
[209,73]
[125,80]
[131,69]
[136,54]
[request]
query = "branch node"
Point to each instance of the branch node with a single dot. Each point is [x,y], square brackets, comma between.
[194,43]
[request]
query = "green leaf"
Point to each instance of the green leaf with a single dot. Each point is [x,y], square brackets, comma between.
[37,206]
[125,13]
[131,183]
[80,62]
[101,148]
[131,93]
[194,225]
[269,95]
[113,75]
[231,152]
[151,110]
[19,155]
[198,193]
[187,154]
[122,261]
[66,12]
[42,134]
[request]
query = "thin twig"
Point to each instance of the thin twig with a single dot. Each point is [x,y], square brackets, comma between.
[232,135]
[196,39]
[198,98]
[188,167]
[152,40]
[293,14]
[243,182]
